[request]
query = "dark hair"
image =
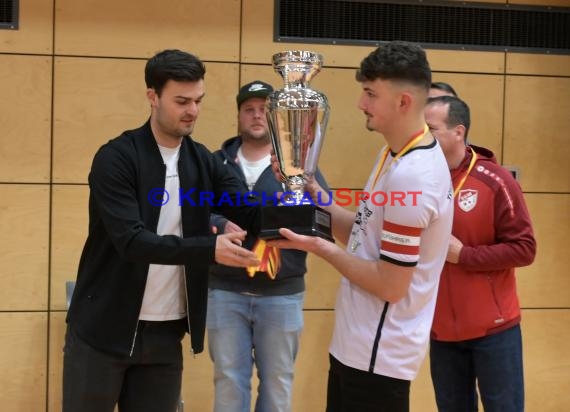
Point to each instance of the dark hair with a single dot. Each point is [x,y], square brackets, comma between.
[444,87]
[458,112]
[172,65]
[397,60]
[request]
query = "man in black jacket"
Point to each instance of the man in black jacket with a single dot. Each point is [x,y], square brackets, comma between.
[255,316]
[142,277]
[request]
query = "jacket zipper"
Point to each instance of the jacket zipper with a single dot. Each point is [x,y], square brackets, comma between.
[134,340]
[187,303]
[187,309]
[451,305]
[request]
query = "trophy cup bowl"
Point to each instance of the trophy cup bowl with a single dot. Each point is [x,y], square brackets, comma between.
[297,117]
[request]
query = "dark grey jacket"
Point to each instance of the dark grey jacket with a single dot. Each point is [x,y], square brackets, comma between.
[290,278]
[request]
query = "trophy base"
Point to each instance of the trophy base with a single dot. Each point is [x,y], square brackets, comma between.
[307,220]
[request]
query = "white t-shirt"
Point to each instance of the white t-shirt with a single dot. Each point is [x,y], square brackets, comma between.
[371,334]
[252,170]
[164,294]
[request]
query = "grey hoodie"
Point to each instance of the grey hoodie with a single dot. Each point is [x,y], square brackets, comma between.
[290,278]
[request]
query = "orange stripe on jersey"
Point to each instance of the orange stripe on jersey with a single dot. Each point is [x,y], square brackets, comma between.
[402,230]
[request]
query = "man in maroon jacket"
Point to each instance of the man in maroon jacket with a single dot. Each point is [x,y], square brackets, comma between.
[476,332]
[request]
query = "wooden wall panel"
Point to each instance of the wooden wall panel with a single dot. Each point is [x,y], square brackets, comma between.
[422,397]
[535,139]
[94,101]
[127,29]
[466,61]
[198,379]
[349,150]
[34,33]
[312,365]
[545,283]
[25,116]
[322,281]
[23,361]
[24,238]
[69,226]
[218,118]
[484,95]
[56,341]
[538,64]
[97,99]
[546,361]
[265,72]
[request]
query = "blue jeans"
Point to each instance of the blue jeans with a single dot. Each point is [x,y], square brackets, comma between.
[243,330]
[494,361]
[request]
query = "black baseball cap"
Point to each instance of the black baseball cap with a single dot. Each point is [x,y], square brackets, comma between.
[256,88]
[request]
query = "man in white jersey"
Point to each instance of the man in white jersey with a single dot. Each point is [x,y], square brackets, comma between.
[142,279]
[394,249]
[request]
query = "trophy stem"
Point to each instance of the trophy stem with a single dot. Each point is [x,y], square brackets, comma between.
[295,78]
[297,68]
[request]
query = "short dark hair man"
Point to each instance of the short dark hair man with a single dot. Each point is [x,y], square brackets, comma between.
[142,278]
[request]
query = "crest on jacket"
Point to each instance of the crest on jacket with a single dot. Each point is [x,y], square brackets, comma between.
[467,199]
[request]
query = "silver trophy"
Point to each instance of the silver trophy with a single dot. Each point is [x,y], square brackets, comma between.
[297,118]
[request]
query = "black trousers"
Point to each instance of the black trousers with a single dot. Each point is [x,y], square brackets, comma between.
[351,390]
[149,381]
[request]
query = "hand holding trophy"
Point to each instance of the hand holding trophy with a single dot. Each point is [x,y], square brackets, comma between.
[297,118]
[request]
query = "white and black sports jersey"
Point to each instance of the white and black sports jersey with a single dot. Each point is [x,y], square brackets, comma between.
[405,219]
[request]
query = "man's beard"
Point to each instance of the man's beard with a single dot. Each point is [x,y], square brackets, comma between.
[185,131]
[258,139]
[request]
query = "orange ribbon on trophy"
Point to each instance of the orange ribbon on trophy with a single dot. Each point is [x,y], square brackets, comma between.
[270,258]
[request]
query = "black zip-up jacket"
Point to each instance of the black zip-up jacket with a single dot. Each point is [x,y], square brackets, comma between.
[125,175]
[290,278]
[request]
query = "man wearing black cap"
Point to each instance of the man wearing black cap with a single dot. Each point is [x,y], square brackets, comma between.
[255,314]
